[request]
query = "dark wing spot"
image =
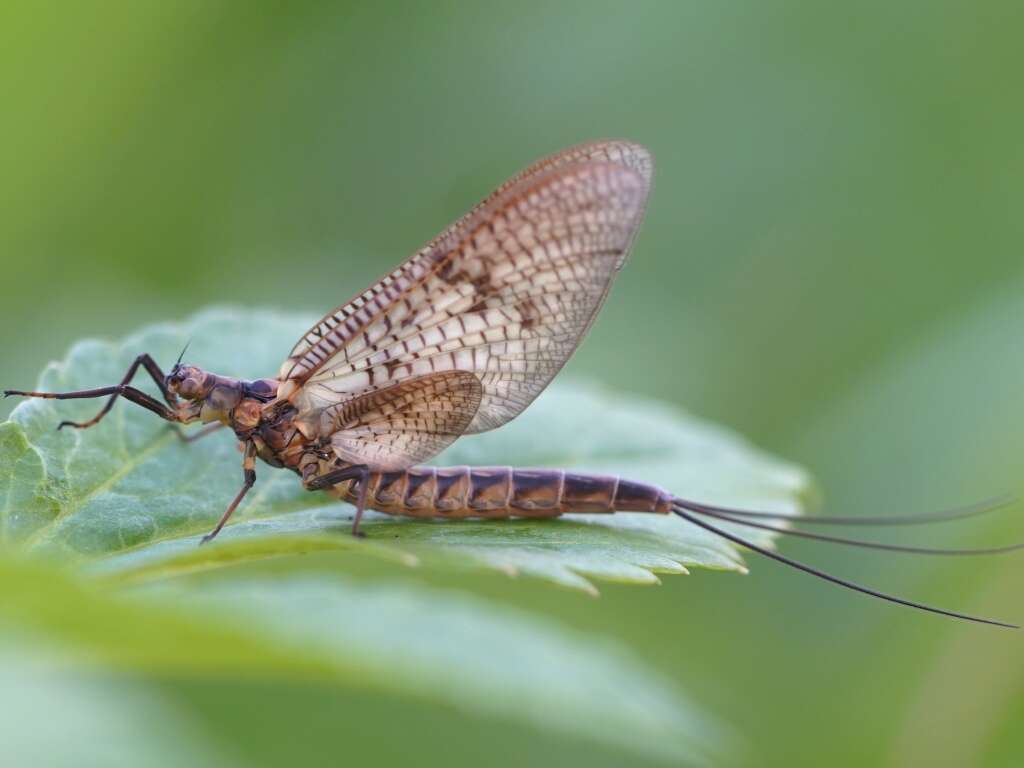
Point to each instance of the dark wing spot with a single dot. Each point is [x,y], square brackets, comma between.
[445,273]
[482,283]
[528,313]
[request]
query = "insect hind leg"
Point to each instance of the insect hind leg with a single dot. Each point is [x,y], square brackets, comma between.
[358,472]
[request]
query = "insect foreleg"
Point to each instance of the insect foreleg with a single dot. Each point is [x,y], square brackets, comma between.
[249,473]
[122,389]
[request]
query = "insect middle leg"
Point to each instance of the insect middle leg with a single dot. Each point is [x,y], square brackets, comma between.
[249,473]
[119,390]
[199,435]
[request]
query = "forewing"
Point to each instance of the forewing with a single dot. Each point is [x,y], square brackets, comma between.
[624,153]
[506,292]
[404,424]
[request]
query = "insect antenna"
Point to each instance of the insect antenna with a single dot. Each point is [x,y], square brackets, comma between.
[910,549]
[682,509]
[182,355]
[955,513]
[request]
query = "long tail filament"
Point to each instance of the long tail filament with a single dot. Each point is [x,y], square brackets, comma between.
[698,514]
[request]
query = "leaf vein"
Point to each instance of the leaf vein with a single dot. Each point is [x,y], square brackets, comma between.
[123,470]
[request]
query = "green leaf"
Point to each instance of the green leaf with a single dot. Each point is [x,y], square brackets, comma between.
[316,624]
[51,718]
[128,491]
[122,505]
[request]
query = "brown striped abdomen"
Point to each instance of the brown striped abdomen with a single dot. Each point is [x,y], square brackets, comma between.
[497,492]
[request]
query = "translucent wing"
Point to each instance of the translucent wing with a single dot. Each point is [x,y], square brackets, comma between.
[507,292]
[404,424]
[625,153]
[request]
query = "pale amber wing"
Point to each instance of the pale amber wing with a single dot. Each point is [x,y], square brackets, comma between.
[404,424]
[619,152]
[507,292]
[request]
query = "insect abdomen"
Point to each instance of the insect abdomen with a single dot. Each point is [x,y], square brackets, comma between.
[497,492]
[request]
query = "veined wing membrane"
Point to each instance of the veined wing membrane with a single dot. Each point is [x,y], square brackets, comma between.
[326,336]
[404,424]
[625,153]
[505,293]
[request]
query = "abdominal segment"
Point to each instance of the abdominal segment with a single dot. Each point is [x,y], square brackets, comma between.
[501,492]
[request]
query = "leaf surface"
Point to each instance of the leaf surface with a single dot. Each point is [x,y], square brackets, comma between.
[129,492]
[121,507]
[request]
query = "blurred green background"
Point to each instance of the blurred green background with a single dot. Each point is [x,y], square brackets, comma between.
[832,264]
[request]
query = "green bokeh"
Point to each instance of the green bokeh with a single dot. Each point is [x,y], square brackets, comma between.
[833,263]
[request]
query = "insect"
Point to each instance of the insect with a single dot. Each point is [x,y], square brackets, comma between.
[460,339]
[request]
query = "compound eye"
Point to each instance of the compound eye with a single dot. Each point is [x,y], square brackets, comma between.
[188,386]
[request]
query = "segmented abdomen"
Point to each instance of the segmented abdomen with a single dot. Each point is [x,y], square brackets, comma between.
[459,492]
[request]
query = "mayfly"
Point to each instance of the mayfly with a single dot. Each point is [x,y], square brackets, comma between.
[458,340]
